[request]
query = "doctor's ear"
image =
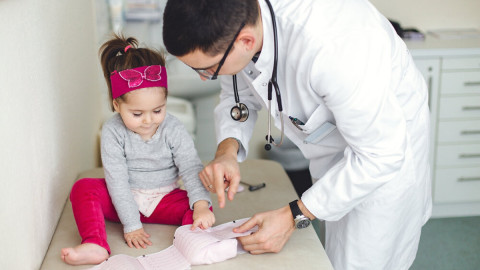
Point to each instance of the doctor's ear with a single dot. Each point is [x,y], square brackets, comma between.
[247,39]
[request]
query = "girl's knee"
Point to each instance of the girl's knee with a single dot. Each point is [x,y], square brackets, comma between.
[86,185]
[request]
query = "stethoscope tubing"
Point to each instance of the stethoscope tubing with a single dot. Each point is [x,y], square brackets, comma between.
[272,85]
[273,82]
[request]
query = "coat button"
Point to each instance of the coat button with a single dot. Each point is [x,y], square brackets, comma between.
[264,84]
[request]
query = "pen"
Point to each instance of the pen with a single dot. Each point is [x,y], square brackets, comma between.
[297,122]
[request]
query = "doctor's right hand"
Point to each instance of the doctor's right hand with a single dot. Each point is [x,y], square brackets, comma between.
[223,171]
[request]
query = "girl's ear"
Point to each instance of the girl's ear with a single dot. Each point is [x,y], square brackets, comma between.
[116,106]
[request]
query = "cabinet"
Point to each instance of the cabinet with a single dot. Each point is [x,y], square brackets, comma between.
[452,73]
[457,170]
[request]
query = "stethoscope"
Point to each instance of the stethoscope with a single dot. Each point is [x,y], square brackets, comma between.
[239,112]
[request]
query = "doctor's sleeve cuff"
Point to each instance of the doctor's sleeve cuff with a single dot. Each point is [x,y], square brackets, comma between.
[310,203]
[242,152]
[316,206]
[238,141]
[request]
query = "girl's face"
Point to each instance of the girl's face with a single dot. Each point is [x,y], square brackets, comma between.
[143,110]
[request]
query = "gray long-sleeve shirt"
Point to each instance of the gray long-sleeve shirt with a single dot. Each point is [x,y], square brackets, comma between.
[130,162]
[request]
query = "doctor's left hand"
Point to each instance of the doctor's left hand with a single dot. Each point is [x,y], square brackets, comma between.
[274,229]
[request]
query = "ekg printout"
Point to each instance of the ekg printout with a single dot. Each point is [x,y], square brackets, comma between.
[189,248]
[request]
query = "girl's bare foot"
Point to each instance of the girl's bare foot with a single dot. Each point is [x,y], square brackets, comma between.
[87,253]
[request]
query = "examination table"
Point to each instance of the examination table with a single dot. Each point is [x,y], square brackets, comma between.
[302,251]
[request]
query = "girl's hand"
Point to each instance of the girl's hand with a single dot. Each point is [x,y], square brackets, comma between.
[202,216]
[137,238]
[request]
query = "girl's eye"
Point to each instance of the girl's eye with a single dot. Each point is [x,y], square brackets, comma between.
[159,111]
[137,114]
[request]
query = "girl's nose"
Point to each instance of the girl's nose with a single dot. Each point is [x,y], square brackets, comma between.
[147,119]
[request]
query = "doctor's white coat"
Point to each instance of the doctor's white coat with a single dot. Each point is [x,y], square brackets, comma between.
[342,64]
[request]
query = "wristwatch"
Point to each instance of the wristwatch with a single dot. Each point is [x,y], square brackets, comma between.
[301,221]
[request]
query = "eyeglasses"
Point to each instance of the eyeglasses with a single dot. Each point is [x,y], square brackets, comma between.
[207,74]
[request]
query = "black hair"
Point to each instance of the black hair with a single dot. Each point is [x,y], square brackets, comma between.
[207,25]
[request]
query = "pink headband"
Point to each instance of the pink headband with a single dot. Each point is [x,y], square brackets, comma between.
[137,78]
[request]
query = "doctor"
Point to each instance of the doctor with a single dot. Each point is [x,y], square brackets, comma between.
[360,110]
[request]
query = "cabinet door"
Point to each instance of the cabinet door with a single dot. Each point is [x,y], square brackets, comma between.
[461,82]
[454,185]
[459,107]
[459,131]
[430,69]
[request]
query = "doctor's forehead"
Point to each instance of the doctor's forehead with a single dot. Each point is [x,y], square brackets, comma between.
[200,60]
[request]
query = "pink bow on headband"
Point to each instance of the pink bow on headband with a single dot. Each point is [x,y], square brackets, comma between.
[135,78]
[142,77]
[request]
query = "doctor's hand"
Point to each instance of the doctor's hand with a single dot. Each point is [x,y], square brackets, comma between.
[223,171]
[274,229]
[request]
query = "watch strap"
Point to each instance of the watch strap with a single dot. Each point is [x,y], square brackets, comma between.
[295,209]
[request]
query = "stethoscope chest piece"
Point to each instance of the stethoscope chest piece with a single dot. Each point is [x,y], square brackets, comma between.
[239,112]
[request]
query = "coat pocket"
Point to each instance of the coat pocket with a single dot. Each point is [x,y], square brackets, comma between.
[320,133]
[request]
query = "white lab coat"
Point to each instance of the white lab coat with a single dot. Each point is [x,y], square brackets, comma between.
[341,62]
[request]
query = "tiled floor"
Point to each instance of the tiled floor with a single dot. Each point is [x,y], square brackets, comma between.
[448,244]
[445,244]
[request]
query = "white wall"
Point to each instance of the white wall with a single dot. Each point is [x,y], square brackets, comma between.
[50,114]
[431,14]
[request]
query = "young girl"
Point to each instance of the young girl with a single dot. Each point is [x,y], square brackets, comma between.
[144,152]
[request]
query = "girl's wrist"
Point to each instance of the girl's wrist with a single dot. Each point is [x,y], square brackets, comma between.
[200,204]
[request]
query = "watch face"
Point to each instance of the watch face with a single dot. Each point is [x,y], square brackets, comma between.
[303,223]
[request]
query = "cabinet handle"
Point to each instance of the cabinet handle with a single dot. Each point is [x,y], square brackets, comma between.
[466,179]
[469,156]
[470,132]
[471,83]
[470,108]
[430,91]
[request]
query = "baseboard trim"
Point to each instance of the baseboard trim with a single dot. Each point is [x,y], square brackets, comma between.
[456,210]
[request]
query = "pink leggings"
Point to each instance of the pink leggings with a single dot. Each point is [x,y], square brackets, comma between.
[92,204]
